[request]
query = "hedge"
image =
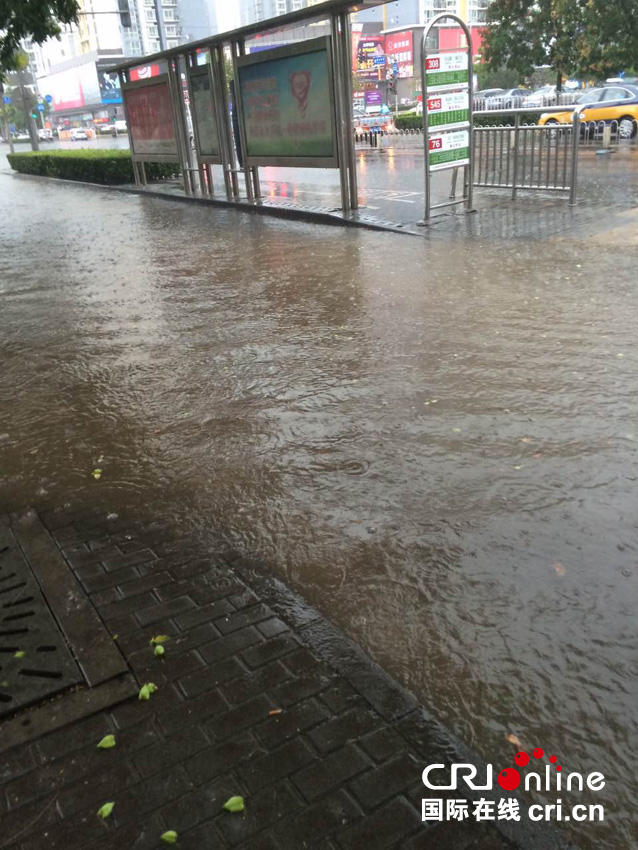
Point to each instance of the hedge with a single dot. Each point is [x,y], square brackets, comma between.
[415,122]
[97,166]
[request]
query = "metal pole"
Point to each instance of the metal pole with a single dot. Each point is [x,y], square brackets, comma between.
[426,140]
[341,144]
[347,80]
[179,116]
[517,128]
[239,49]
[223,118]
[575,142]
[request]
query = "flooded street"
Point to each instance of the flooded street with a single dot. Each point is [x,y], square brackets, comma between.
[435,442]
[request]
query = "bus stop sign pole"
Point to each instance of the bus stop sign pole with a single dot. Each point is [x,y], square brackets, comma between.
[447,80]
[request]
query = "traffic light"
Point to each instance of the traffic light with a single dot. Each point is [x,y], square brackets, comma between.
[34,114]
[392,86]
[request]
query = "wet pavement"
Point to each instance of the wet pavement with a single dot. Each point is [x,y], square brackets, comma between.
[434,442]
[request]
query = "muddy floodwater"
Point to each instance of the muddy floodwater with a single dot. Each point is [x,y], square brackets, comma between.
[434,441]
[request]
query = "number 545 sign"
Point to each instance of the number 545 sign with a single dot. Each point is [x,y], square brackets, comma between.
[449,150]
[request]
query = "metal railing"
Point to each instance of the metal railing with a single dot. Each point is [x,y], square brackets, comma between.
[524,157]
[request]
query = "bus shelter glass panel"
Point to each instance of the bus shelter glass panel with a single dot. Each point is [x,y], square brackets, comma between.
[203,110]
[287,107]
[150,118]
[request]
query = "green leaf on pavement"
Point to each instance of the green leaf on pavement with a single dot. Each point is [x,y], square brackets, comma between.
[19,654]
[107,742]
[105,810]
[146,690]
[159,650]
[151,687]
[235,804]
[170,837]
[159,639]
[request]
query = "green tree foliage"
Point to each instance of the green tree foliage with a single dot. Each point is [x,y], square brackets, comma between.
[574,37]
[36,19]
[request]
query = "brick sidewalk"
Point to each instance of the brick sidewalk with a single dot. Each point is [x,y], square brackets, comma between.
[338,769]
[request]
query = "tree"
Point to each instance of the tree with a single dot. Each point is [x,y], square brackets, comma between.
[575,37]
[35,19]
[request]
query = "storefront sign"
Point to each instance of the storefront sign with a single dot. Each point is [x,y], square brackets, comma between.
[446,111]
[371,48]
[287,107]
[449,150]
[150,119]
[446,70]
[400,52]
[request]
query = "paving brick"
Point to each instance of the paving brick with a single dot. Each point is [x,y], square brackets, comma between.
[178,747]
[451,835]
[73,737]
[273,626]
[139,835]
[211,676]
[341,697]
[140,639]
[223,758]
[132,559]
[229,723]
[202,837]
[199,805]
[275,730]
[296,689]
[305,828]
[172,665]
[96,787]
[141,585]
[42,814]
[330,772]
[269,650]
[247,617]
[127,714]
[189,712]
[382,745]
[230,644]
[384,828]
[204,614]
[263,810]
[103,580]
[16,762]
[190,566]
[82,559]
[386,781]
[150,795]
[347,727]
[160,610]
[127,606]
[284,761]
[244,598]
[90,571]
[252,684]
[105,597]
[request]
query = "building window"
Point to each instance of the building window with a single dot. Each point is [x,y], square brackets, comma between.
[172,42]
[171,29]
[170,15]
[154,46]
[150,15]
[296,5]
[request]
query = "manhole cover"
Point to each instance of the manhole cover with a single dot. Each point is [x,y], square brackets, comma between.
[35,661]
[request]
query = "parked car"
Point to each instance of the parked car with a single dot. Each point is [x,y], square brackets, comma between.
[45,135]
[78,134]
[509,99]
[605,105]
[485,93]
[544,96]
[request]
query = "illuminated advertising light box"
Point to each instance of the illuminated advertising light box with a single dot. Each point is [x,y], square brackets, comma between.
[286,106]
[150,119]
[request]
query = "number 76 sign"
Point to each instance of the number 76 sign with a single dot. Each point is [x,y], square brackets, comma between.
[449,150]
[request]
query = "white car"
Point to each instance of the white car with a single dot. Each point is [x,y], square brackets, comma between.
[78,134]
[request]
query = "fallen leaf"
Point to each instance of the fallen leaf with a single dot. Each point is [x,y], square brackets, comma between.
[456,430]
[275,711]
[158,639]
[107,742]
[518,466]
[559,569]
[234,804]
[19,654]
[170,837]
[159,650]
[97,474]
[514,740]
[105,810]
[526,439]
[144,693]
[151,687]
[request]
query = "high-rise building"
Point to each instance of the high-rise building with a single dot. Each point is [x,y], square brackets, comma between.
[260,10]
[473,12]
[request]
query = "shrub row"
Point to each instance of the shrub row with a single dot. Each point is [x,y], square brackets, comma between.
[98,166]
[415,122]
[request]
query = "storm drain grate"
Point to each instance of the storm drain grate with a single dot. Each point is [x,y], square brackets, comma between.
[35,661]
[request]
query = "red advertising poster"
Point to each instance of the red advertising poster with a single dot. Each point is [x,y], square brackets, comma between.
[144,72]
[399,51]
[150,119]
